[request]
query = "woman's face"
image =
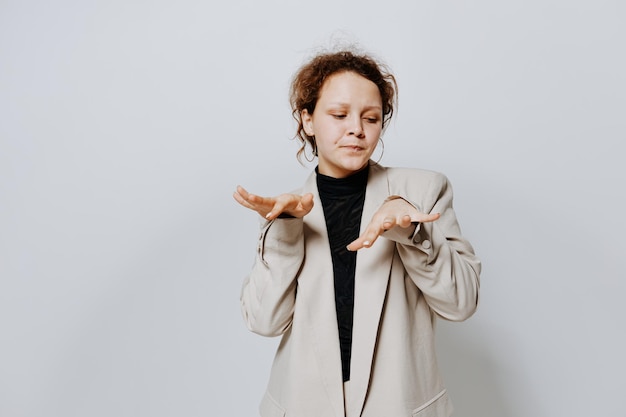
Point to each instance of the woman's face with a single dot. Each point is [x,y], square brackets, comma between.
[346,123]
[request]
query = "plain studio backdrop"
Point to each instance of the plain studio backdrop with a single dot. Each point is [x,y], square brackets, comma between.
[125,126]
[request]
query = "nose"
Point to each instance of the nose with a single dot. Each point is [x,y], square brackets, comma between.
[356,128]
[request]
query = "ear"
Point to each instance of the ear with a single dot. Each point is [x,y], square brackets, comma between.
[307,122]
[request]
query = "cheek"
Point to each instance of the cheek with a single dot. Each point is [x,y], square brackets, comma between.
[329,134]
[375,132]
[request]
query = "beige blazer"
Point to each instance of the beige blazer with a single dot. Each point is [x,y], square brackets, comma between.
[403,283]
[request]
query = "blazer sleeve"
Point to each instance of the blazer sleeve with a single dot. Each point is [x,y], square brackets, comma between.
[437,258]
[268,293]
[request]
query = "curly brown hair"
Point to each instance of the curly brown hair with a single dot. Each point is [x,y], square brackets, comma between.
[309,79]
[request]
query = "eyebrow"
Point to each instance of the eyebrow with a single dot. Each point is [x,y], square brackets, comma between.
[340,104]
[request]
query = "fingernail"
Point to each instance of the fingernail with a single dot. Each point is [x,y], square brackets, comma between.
[366,243]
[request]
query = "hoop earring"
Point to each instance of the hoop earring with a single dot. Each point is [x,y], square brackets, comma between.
[313,150]
[382,152]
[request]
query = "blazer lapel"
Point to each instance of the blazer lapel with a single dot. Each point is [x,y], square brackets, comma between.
[321,306]
[371,279]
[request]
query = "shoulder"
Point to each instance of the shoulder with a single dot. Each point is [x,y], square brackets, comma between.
[401,177]
[414,173]
[422,187]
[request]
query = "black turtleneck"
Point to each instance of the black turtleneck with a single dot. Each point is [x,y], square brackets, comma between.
[342,201]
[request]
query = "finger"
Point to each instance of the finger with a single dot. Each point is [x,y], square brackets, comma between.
[404,221]
[258,209]
[367,239]
[307,202]
[250,198]
[304,204]
[277,208]
[426,218]
[253,202]
[360,243]
[355,245]
[242,191]
[281,204]
[258,200]
[241,200]
[388,223]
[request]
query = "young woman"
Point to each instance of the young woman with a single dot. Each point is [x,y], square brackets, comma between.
[353,269]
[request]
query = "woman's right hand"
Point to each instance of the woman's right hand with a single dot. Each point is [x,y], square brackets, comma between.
[271,207]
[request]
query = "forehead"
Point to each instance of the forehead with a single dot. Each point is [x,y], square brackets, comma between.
[349,86]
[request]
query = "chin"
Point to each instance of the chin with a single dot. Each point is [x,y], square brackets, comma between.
[355,166]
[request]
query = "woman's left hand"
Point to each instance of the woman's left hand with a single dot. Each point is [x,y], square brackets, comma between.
[396,212]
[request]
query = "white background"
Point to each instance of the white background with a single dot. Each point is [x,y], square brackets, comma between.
[126,125]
